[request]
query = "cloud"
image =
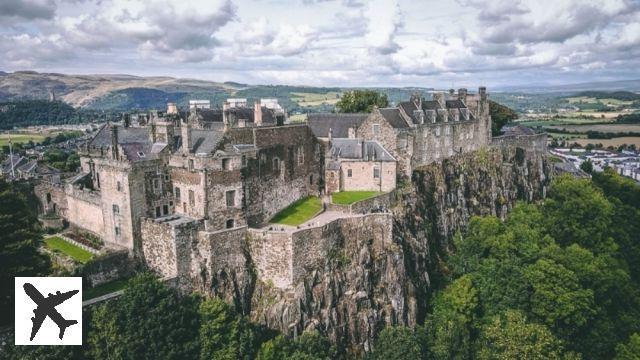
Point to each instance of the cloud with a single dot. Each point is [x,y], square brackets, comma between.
[27,9]
[261,38]
[384,21]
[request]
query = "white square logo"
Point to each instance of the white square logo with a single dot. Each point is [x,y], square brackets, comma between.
[48,311]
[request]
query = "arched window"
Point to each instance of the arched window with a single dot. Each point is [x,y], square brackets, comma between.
[48,198]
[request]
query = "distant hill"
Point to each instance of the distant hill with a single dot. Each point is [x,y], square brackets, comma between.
[125,92]
[618,95]
[622,85]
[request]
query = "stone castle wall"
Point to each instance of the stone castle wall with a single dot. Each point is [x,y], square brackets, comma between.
[532,143]
[362,178]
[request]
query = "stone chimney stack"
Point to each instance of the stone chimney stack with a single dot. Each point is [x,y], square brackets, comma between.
[126,120]
[114,142]
[225,113]
[462,95]
[439,97]
[186,137]
[172,108]
[483,93]
[257,113]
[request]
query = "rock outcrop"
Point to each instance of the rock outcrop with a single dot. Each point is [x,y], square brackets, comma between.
[381,270]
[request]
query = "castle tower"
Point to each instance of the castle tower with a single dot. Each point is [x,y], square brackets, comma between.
[257,113]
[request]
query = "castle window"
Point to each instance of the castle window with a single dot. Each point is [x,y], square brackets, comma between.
[311,179]
[190,164]
[276,164]
[116,209]
[230,198]
[192,198]
[116,230]
[165,209]
[376,172]
[375,128]
[157,211]
[230,224]
[170,203]
[156,184]
[300,154]
[177,193]
[98,180]
[349,173]
[48,197]
[244,160]
[118,186]
[447,130]
[263,159]
[226,164]
[438,131]
[166,177]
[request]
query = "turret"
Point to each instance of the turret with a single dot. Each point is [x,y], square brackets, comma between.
[462,95]
[257,114]
[114,142]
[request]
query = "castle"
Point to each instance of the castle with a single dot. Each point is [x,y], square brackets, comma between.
[188,192]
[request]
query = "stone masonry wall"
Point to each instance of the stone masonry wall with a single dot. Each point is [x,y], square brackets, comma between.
[272,256]
[159,248]
[362,176]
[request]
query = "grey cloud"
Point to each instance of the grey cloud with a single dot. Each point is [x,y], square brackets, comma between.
[28,9]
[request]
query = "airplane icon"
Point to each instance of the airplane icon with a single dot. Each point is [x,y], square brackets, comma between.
[47,307]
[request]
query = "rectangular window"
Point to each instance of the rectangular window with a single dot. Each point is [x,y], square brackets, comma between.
[116,209]
[165,209]
[230,197]
[244,160]
[192,198]
[118,186]
[166,177]
[376,172]
[226,164]
[447,130]
[117,230]
[177,193]
[349,173]
[190,164]
[276,164]
[300,154]
[156,184]
[230,223]
[157,211]
[375,128]
[438,131]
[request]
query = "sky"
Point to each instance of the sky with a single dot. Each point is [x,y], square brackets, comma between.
[444,43]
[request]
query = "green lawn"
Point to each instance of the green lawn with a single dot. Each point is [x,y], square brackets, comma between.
[349,197]
[104,289]
[298,212]
[20,138]
[57,244]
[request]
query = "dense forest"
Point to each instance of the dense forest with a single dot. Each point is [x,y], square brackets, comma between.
[555,280]
[42,112]
[628,118]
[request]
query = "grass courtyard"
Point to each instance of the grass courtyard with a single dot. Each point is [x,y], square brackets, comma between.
[104,289]
[350,197]
[57,244]
[298,212]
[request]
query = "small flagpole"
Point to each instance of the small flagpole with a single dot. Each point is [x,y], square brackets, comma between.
[13,175]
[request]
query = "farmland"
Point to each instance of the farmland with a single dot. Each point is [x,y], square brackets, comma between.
[615,142]
[605,128]
[315,99]
[20,138]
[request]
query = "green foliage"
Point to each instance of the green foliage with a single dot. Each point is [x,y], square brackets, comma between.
[361,101]
[78,254]
[500,115]
[308,346]
[398,343]
[149,321]
[509,336]
[587,166]
[298,212]
[630,350]
[62,160]
[350,197]
[618,95]
[34,112]
[224,334]
[628,118]
[19,245]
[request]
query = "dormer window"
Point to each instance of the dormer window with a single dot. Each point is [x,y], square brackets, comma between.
[141,154]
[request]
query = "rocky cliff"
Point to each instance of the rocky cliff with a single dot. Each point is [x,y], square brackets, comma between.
[380,270]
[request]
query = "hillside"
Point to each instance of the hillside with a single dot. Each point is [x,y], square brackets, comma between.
[124,92]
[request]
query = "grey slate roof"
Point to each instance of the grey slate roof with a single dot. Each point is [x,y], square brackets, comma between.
[454,104]
[125,136]
[338,123]
[392,115]
[354,149]
[206,141]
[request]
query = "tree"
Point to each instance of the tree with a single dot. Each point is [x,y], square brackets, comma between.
[149,321]
[587,166]
[500,115]
[397,343]
[308,346]
[19,245]
[361,101]
[509,336]
[223,333]
[630,350]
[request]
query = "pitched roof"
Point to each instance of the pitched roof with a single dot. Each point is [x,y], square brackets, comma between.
[354,149]
[455,104]
[392,115]
[517,130]
[206,141]
[337,122]
[126,135]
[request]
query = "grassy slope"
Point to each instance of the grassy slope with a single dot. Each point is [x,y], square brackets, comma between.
[57,244]
[350,197]
[299,212]
[104,289]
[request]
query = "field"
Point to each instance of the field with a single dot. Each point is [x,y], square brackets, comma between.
[313,99]
[20,138]
[592,100]
[615,142]
[299,212]
[563,121]
[606,128]
[349,197]
[57,244]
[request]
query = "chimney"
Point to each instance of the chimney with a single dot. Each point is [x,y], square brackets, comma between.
[114,142]
[439,97]
[462,95]
[172,108]
[257,113]
[126,120]
[225,113]
[186,138]
[483,93]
